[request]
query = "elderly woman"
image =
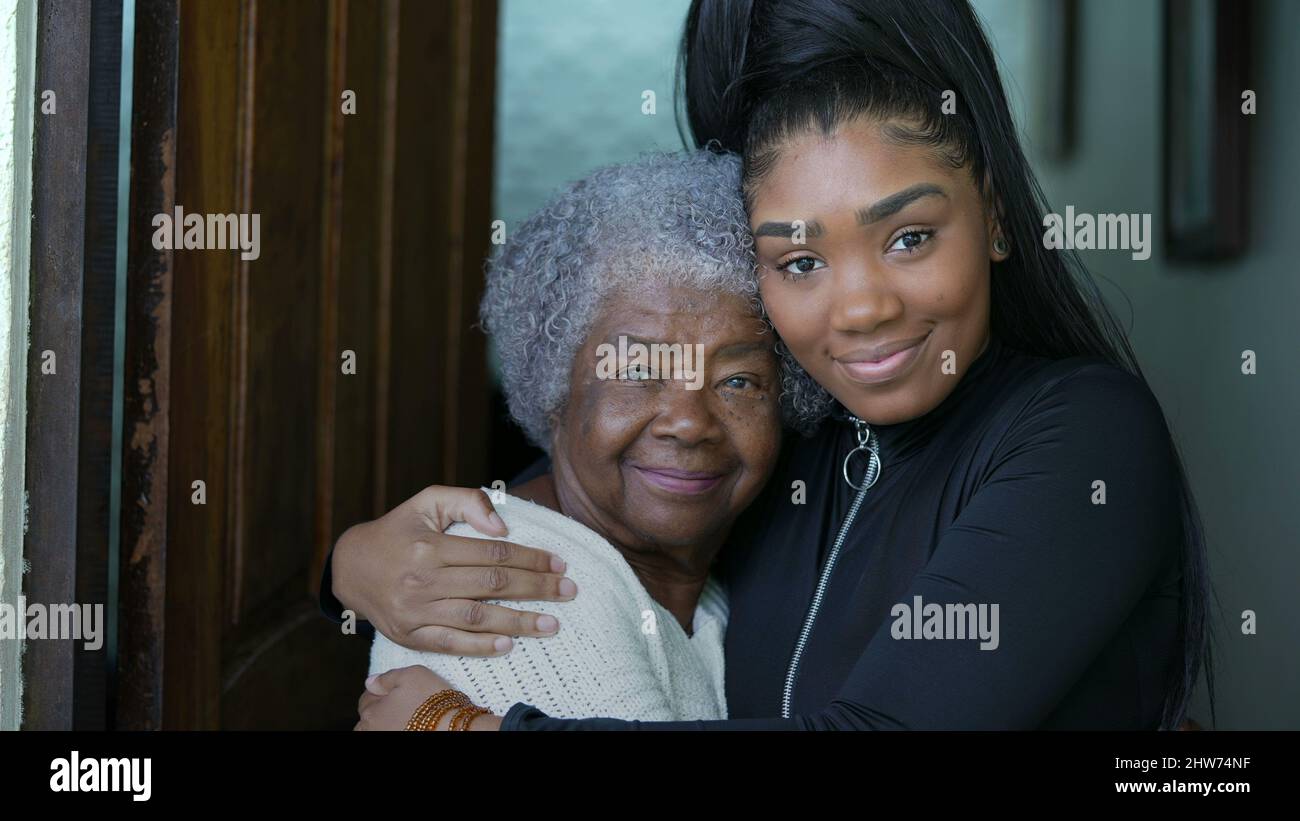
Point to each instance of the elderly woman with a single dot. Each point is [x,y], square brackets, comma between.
[632,350]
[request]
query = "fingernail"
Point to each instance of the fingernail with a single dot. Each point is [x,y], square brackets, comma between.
[496,520]
[547,624]
[568,588]
[557,564]
[503,644]
[370,685]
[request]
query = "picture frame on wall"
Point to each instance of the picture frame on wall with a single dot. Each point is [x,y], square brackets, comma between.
[1056,32]
[1205,80]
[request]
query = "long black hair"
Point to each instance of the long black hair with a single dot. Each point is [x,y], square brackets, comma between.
[753,72]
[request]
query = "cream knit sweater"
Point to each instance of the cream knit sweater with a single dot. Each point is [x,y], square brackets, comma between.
[618,653]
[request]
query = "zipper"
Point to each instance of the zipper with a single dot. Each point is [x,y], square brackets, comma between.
[867,442]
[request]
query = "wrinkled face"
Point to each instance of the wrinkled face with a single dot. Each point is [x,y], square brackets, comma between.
[891,281]
[666,448]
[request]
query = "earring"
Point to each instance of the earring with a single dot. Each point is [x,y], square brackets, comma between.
[1000,246]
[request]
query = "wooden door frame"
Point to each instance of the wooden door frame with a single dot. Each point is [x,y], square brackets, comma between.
[160,614]
[74,309]
[69,430]
[146,370]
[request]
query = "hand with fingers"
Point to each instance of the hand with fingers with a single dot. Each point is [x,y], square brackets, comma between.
[424,589]
[391,699]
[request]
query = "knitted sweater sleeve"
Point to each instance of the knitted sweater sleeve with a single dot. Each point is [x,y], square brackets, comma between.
[599,663]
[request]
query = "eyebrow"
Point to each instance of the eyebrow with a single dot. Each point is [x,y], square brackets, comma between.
[785,230]
[743,348]
[886,207]
[633,339]
[732,350]
[896,202]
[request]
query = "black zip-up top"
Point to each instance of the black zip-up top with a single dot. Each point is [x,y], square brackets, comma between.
[1013,563]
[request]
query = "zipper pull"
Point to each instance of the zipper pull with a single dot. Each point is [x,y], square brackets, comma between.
[869,444]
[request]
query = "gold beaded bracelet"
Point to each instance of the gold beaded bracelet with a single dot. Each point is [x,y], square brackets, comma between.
[442,707]
[465,716]
[428,714]
[442,697]
[437,717]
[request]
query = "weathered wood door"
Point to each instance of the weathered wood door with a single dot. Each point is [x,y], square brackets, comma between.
[323,381]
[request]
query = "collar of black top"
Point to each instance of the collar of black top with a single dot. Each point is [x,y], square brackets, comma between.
[903,439]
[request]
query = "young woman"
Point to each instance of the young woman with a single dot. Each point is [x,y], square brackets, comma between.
[982,439]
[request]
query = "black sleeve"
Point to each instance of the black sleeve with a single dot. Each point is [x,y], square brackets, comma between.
[537,468]
[1065,571]
[330,606]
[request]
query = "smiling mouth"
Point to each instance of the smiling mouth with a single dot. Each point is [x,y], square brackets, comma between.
[868,372]
[685,482]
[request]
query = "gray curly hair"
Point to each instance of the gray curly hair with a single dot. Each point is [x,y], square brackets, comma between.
[662,220]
